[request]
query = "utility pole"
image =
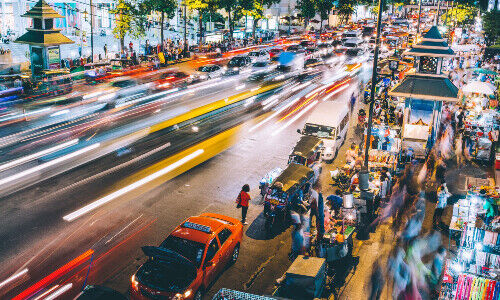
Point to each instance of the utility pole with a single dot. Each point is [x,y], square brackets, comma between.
[365,173]
[437,14]
[419,12]
[185,30]
[91,32]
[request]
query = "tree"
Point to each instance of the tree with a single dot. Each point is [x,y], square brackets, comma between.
[123,12]
[323,7]
[491,26]
[255,9]
[307,10]
[461,14]
[231,7]
[345,8]
[166,8]
[201,6]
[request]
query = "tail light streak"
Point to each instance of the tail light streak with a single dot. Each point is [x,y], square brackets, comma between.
[295,118]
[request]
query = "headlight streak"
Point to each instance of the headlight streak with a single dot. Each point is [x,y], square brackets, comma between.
[60,291]
[78,213]
[37,155]
[13,277]
[295,118]
[48,164]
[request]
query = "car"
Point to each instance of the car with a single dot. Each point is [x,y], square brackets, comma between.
[275,52]
[172,79]
[187,262]
[307,44]
[312,62]
[120,91]
[238,64]
[295,48]
[261,66]
[259,55]
[208,72]
[325,49]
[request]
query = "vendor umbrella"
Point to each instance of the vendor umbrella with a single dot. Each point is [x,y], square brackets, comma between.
[485,71]
[479,88]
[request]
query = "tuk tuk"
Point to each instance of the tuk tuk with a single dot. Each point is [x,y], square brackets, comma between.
[283,191]
[119,64]
[53,82]
[96,72]
[307,152]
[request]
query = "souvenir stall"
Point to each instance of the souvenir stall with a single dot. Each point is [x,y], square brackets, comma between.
[385,147]
[474,273]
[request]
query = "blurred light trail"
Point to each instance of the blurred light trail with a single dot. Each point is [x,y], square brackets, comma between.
[37,155]
[336,92]
[124,228]
[61,112]
[299,107]
[48,164]
[13,277]
[54,275]
[297,116]
[76,214]
[47,292]
[59,292]
[240,87]
[275,114]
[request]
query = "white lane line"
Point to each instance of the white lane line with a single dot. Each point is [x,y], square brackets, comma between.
[60,291]
[37,155]
[48,164]
[13,277]
[78,213]
[295,118]
[128,225]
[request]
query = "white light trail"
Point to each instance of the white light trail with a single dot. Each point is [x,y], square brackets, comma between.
[13,277]
[37,155]
[274,114]
[47,292]
[336,92]
[240,87]
[295,118]
[48,164]
[60,291]
[78,213]
[61,112]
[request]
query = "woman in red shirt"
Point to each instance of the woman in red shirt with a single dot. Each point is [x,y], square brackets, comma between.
[243,200]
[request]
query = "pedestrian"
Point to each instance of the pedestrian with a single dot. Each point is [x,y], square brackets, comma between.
[243,201]
[131,46]
[436,270]
[105,51]
[376,281]
[353,102]
[442,195]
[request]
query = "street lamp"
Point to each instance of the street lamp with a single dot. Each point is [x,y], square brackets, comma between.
[364,173]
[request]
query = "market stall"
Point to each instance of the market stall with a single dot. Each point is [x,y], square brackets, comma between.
[474,272]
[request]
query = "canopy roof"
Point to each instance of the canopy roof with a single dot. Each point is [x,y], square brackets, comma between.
[435,88]
[432,44]
[43,38]
[294,175]
[42,10]
[306,146]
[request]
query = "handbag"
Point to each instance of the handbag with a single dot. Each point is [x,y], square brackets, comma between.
[238,201]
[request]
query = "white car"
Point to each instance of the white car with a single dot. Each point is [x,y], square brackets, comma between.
[259,55]
[208,72]
[262,67]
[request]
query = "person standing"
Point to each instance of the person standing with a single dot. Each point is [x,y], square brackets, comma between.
[442,197]
[105,51]
[243,201]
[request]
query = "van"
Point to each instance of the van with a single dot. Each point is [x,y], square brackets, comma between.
[353,43]
[329,122]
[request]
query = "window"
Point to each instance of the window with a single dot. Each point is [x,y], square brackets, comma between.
[224,235]
[212,249]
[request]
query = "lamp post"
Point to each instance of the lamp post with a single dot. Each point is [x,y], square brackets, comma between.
[185,30]
[419,12]
[91,32]
[437,14]
[364,173]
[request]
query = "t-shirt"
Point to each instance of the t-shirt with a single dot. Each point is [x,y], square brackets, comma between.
[244,198]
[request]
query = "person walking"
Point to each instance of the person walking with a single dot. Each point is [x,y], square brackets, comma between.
[243,201]
[443,194]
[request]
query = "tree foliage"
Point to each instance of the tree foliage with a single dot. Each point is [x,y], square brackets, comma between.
[345,8]
[129,20]
[461,14]
[166,8]
[307,9]
[491,26]
[324,8]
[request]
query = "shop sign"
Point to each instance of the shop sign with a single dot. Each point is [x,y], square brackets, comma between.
[54,57]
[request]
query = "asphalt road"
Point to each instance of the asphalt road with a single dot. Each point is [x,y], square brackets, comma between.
[46,248]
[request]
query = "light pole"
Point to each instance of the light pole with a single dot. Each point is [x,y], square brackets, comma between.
[185,30]
[419,12]
[437,14]
[91,32]
[365,173]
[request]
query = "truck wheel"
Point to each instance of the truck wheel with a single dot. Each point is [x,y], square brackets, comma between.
[236,254]
[198,295]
